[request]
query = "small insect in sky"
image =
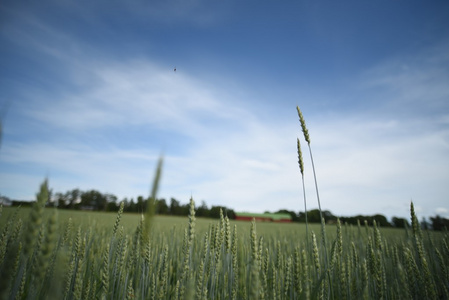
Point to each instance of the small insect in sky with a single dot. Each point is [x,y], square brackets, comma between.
[174,69]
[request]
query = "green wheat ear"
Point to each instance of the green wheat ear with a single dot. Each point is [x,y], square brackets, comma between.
[35,218]
[119,216]
[303,125]
[300,160]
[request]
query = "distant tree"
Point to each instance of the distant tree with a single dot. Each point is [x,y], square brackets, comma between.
[60,200]
[215,212]
[400,222]
[161,207]
[425,224]
[50,201]
[362,219]
[230,213]
[112,206]
[111,202]
[111,198]
[203,210]
[73,196]
[132,206]
[351,220]
[175,207]
[125,204]
[439,223]
[328,216]
[381,220]
[295,217]
[313,216]
[184,209]
[22,203]
[93,199]
[141,204]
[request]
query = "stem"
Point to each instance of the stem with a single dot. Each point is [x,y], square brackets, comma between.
[316,184]
[319,207]
[305,208]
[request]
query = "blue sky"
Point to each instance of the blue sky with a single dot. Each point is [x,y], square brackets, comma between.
[89,98]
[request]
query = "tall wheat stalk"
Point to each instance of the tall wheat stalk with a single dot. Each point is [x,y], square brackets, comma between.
[152,203]
[323,232]
[301,168]
[307,138]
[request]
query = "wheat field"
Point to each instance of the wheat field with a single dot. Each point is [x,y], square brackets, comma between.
[60,254]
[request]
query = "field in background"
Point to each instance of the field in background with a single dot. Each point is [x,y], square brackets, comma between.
[166,224]
[93,255]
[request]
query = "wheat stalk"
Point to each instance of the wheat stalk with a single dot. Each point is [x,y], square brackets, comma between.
[152,203]
[323,232]
[301,168]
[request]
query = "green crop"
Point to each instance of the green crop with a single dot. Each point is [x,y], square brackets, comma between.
[104,256]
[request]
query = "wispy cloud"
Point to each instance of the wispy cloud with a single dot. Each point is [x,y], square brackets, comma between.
[442,211]
[136,93]
[416,83]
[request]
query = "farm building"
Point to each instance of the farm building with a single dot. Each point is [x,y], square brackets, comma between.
[263,217]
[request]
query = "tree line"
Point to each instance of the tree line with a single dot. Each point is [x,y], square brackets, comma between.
[97,201]
[313,216]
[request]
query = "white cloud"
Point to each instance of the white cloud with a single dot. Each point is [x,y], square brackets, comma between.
[416,83]
[442,211]
[138,93]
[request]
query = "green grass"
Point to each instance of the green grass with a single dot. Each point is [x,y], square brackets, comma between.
[163,224]
[88,261]
[166,224]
